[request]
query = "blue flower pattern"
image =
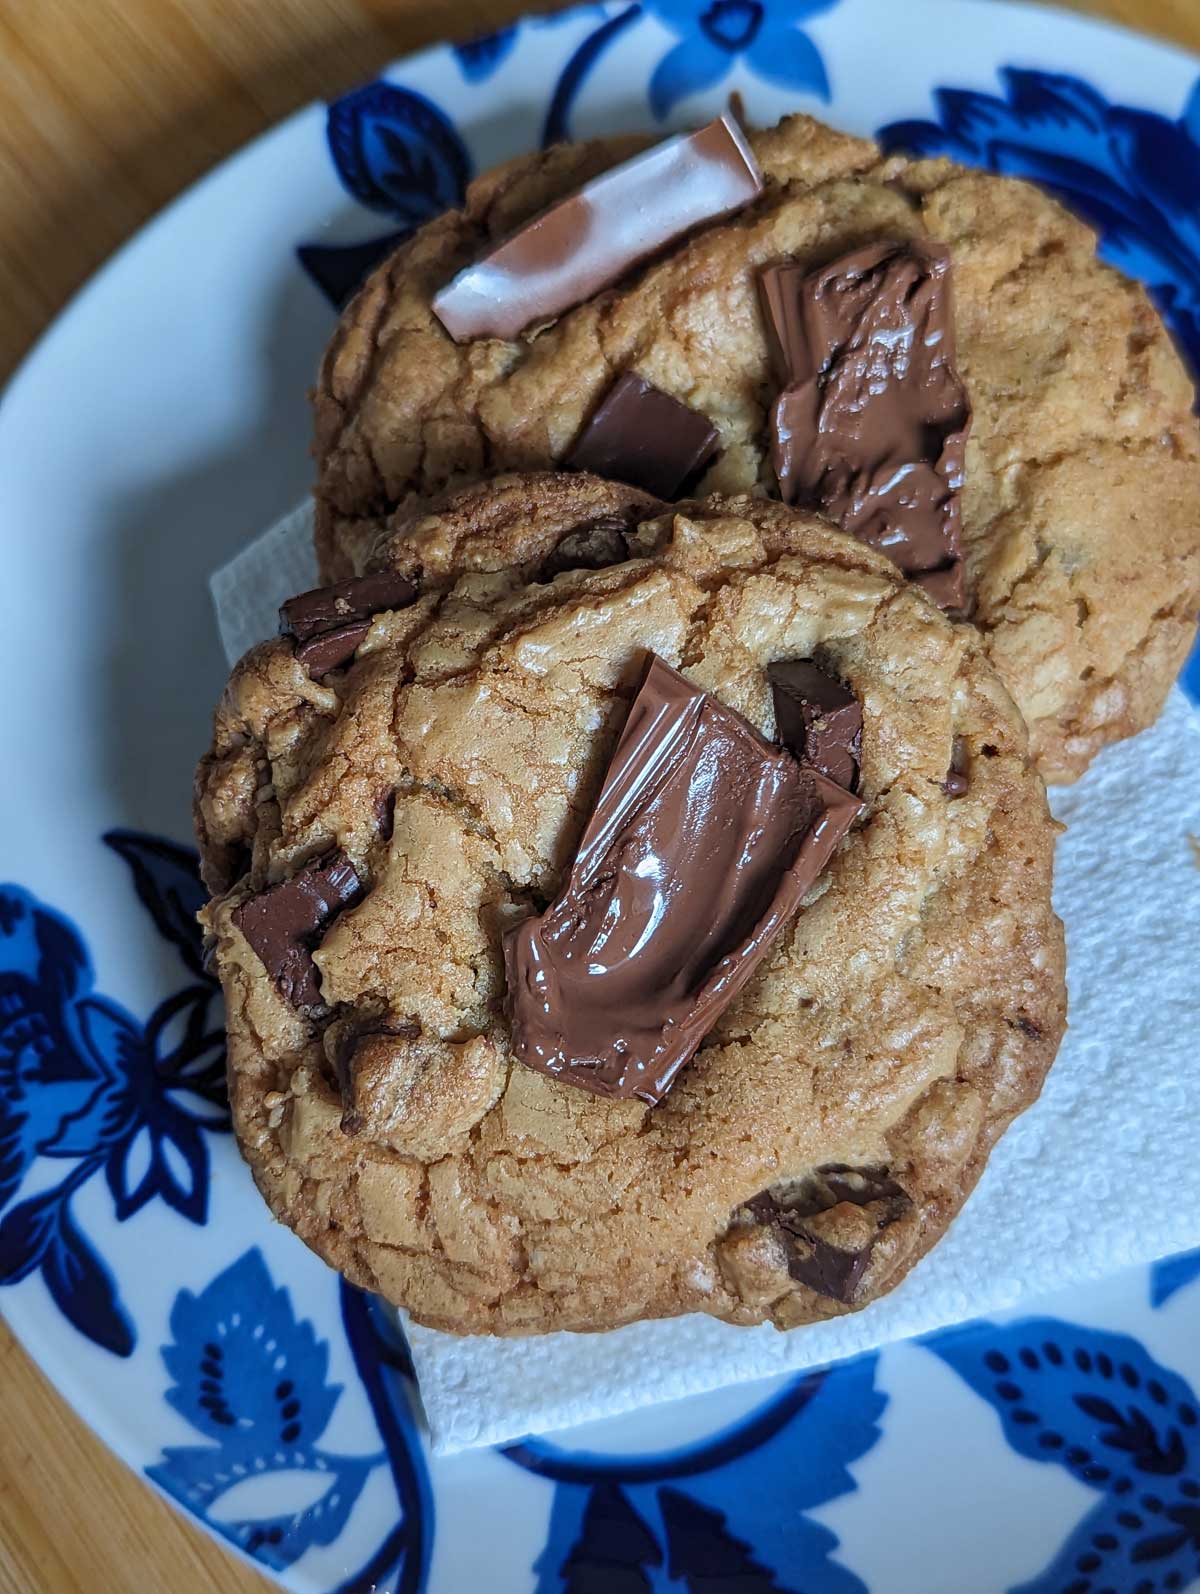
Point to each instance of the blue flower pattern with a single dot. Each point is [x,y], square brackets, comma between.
[398,154]
[716,34]
[83,1083]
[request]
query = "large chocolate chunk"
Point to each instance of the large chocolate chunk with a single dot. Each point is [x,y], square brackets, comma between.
[286,923]
[643,436]
[831,1224]
[330,622]
[818,719]
[590,239]
[703,841]
[871,421]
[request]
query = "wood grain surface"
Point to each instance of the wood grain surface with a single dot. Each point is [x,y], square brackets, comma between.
[107,109]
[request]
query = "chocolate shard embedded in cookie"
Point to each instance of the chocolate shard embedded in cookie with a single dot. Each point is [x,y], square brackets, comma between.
[703,841]
[818,719]
[590,239]
[871,421]
[830,1225]
[956,782]
[285,923]
[643,436]
[330,622]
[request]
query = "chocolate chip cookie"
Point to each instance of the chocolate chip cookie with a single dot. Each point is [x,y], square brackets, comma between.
[1060,451]
[718,763]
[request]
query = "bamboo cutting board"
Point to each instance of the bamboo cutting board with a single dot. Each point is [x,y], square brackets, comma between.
[107,109]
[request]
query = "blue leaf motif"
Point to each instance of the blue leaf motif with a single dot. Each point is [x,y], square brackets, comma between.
[26,1234]
[338,269]
[167,880]
[252,1377]
[83,1289]
[246,1371]
[1098,1405]
[479,58]
[274,1511]
[395,151]
[1171,1275]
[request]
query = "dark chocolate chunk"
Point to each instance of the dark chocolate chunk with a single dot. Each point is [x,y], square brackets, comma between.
[818,719]
[643,436]
[956,783]
[830,1225]
[330,622]
[328,649]
[590,239]
[702,843]
[871,420]
[286,923]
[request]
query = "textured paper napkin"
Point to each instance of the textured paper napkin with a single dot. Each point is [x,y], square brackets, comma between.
[1100,1173]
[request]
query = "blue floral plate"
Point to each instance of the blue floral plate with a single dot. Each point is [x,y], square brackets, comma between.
[158,425]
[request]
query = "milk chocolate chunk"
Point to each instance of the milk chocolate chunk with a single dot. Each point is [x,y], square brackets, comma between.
[286,923]
[818,719]
[588,240]
[830,1225]
[330,622]
[702,843]
[643,436]
[871,421]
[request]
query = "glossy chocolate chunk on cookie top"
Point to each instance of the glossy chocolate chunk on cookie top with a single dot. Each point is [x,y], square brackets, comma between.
[643,436]
[818,719]
[831,1224]
[590,239]
[702,843]
[329,623]
[871,421]
[285,923]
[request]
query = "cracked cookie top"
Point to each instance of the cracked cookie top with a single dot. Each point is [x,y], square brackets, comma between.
[416,801]
[1080,530]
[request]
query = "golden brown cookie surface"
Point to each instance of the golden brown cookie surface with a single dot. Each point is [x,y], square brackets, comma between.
[1080,514]
[856,1084]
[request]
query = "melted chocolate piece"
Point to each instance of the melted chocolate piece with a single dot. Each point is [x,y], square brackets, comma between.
[286,923]
[590,239]
[818,719]
[643,436]
[703,841]
[871,421]
[831,1225]
[330,622]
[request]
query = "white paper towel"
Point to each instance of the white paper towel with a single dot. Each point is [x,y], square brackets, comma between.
[1101,1172]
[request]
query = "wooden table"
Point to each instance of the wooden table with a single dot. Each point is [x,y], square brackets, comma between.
[107,108]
